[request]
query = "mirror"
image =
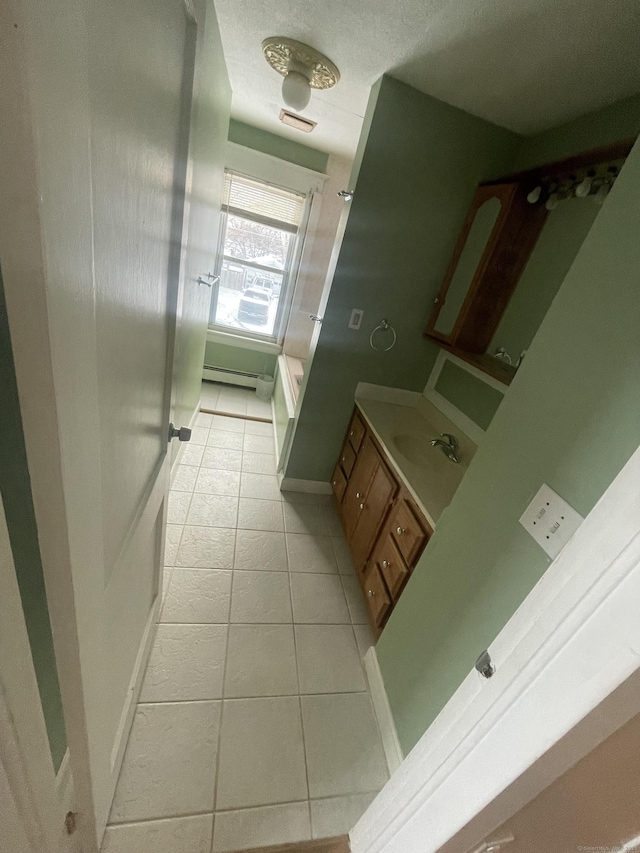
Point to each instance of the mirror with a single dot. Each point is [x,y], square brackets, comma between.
[476,242]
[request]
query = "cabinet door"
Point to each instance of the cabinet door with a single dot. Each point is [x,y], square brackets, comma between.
[347,459]
[391,564]
[407,531]
[338,483]
[363,472]
[377,598]
[371,512]
[356,431]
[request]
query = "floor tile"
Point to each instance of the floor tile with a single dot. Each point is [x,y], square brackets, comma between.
[260,597]
[172,540]
[209,393]
[258,428]
[261,753]
[185,478]
[305,518]
[203,419]
[342,555]
[224,438]
[333,519]
[228,424]
[232,405]
[197,596]
[263,486]
[213,510]
[318,599]
[343,746]
[258,443]
[310,553]
[328,659]
[256,514]
[260,550]
[206,548]
[267,825]
[178,507]
[261,661]
[171,835]
[213,481]
[258,463]
[364,638]
[186,663]
[222,457]
[167,766]
[353,594]
[199,435]
[259,408]
[338,815]
[192,454]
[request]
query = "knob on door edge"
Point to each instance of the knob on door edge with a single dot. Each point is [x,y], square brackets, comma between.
[182,433]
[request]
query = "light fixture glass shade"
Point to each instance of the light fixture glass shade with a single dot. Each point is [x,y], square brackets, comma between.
[534,195]
[296,91]
[584,187]
[552,202]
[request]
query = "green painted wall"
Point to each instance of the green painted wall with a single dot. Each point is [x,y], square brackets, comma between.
[238,358]
[277,146]
[475,398]
[614,123]
[564,232]
[280,411]
[422,162]
[571,419]
[15,486]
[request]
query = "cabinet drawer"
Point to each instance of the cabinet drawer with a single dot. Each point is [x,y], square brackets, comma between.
[338,483]
[391,565]
[347,459]
[356,431]
[407,531]
[377,597]
[363,473]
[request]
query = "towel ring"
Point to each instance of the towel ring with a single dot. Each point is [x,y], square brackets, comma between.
[382,327]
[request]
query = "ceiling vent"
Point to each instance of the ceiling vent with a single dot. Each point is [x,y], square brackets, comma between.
[293,120]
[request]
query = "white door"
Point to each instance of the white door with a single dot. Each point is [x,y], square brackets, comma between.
[94,161]
[32,803]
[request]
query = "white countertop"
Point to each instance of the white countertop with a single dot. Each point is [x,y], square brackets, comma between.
[407,418]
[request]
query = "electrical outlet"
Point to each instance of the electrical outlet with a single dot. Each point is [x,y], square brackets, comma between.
[356,318]
[550,521]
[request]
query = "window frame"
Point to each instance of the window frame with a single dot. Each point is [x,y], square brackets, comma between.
[283,175]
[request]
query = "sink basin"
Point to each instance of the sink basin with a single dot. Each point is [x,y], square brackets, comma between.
[413,448]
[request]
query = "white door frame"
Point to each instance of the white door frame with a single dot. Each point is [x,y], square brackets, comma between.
[33,802]
[567,676]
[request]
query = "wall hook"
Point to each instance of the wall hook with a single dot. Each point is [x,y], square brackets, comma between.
[484,665]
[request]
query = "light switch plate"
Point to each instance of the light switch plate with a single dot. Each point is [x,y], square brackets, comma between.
[550,521]
[356,318]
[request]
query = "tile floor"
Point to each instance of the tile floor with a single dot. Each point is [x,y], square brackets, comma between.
[254,725]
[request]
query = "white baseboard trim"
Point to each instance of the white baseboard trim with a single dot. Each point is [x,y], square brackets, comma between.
[313,487]
[228,378]
[380,700]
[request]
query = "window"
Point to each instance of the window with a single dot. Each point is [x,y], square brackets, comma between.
[257,259]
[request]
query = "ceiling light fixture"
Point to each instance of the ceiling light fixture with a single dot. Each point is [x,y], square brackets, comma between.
[302,67]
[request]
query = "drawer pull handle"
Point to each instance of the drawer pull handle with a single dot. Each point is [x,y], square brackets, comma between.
[361,506]
[344,458]
[385,564]
[335,482]
[370,593]
[351,433]
[358,495]
[399,530]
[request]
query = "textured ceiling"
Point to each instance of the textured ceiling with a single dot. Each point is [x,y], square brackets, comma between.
[524,64]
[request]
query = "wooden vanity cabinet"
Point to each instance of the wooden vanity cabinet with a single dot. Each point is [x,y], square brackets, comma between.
[385,530]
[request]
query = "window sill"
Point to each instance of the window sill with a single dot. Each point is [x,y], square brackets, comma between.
[233,340]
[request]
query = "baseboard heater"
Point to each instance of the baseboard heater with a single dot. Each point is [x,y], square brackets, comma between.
[231,377]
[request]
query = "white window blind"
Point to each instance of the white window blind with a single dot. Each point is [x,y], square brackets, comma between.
[258,199]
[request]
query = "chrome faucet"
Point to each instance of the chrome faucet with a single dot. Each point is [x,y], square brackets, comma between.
[449,447]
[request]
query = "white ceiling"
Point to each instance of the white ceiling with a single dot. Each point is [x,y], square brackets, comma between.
[524,64]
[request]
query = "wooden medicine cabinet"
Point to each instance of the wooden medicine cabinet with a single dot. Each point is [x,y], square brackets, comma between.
[496,244]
